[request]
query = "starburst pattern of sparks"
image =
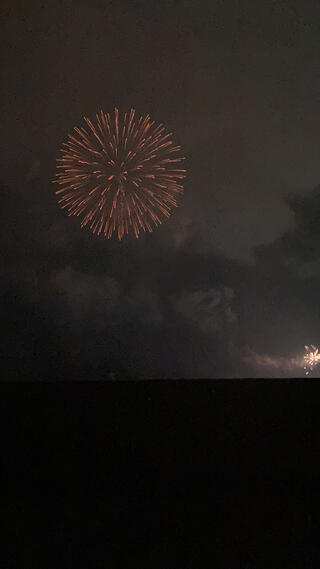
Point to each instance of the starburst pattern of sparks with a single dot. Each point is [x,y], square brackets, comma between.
[120,176]
[311,358]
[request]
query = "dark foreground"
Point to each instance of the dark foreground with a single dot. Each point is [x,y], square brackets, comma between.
[168,474]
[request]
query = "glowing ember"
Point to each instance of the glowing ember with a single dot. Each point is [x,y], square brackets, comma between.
[311,358]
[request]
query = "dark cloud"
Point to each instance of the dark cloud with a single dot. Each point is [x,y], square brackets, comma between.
[152,308]
[283,287]
[207,309]
[89,297]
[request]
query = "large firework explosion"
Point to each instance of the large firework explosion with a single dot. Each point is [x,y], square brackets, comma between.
[120,175]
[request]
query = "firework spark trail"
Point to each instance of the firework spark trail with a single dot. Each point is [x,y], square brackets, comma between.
[120,175]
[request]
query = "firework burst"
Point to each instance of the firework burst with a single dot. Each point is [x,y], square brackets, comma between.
[120,175]
[311,358]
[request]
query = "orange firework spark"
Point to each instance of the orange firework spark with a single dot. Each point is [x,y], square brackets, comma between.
[120,175]
[311,358]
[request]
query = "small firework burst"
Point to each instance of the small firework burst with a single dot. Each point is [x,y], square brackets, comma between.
[311,358]
[120,175]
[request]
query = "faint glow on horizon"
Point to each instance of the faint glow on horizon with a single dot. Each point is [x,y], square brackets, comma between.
[285,364]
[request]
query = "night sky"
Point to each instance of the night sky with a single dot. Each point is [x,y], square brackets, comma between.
[228,287]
